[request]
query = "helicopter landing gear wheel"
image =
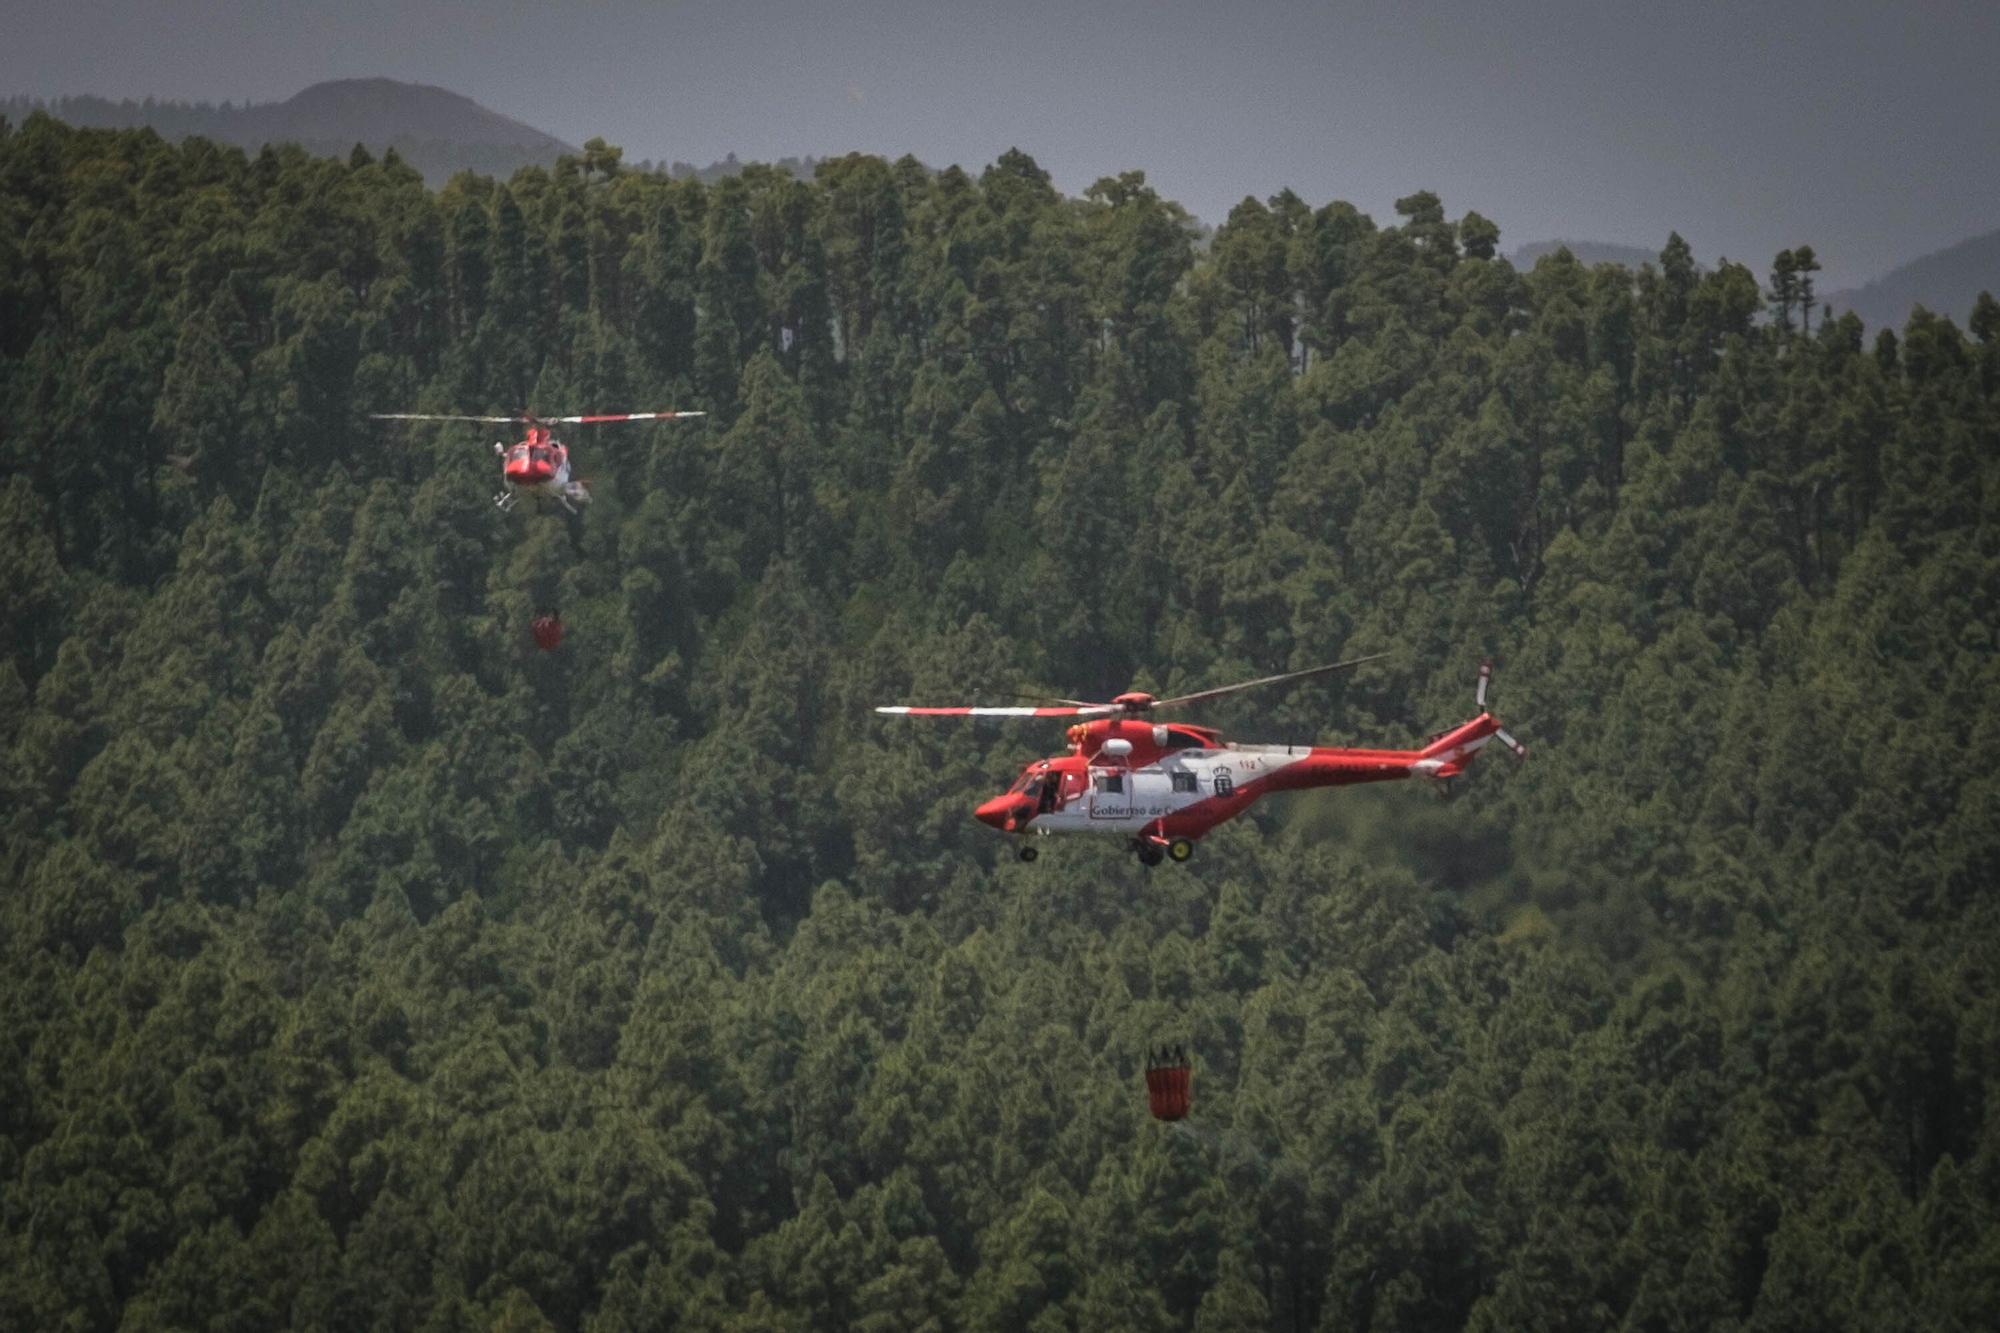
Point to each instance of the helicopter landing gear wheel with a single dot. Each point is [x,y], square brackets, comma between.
[1149,855]
[1029,853]
[1180,849]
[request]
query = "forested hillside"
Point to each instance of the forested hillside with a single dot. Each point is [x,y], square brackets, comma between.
[367,967]
[437,131]
[1947,282]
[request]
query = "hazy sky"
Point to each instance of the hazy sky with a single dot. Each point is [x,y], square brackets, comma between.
[1868,130]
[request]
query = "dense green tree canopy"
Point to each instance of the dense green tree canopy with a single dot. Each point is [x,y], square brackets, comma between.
[366,967]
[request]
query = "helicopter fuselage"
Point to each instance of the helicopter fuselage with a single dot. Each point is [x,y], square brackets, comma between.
[1166,783]
[538,464]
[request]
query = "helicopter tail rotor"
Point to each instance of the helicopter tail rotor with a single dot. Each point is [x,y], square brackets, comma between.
[1500,733]
[1449,753]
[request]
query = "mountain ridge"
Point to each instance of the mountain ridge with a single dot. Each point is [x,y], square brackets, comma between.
[1945,282]
[439,132]
[380,108]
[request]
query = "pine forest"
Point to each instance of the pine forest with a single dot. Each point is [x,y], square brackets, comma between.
[364,965]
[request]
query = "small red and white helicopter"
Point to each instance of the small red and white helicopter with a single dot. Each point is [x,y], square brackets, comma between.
[538,462]
[1164,785]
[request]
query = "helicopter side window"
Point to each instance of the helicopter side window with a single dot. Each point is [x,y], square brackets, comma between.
[1185,782]
[1111,784]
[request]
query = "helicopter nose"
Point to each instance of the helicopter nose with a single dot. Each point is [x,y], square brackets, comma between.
[1000,812]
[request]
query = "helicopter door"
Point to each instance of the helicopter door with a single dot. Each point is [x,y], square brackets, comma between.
[1110,793]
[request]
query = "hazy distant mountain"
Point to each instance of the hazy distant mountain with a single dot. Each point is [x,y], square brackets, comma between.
[381,109]
[1588,252]
[798,168]
[1945,283]
[435,131]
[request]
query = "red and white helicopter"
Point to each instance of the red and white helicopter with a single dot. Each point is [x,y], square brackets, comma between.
[1164,785]
[538,462]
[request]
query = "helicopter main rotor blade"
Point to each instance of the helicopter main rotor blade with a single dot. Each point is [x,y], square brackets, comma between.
[1074,710]
[437,416]
[1049,700]
[1078,708]
[1199,695]
[624,416]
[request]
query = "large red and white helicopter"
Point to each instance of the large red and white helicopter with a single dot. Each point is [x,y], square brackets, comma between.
[1165,784]
[538,462]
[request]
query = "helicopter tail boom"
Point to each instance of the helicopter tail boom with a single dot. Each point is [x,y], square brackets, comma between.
[1448,755]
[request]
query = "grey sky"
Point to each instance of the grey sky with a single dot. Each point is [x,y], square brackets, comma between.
[1868,130]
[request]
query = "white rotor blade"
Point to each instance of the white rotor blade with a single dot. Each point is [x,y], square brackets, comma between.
[1082,710]
[435,416]
[624,416]
[1520,750]
[1178,700]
